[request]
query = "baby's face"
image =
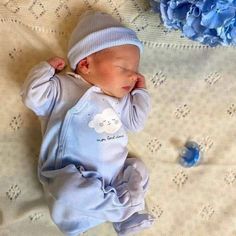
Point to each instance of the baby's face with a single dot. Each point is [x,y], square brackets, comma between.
[114,69]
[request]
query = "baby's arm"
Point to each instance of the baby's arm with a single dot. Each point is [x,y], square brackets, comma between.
[41,89]
[136,106]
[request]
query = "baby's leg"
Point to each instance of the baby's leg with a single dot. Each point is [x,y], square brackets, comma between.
[133,224]
[80,200]
[133,177]
[141,168]
[70,221]
[138,221]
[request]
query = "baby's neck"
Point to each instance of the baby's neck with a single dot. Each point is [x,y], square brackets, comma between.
[84,77]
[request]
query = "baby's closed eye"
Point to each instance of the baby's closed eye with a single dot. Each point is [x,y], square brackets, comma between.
[126,71]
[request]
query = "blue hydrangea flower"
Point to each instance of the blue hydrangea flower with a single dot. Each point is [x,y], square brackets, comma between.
[211,22]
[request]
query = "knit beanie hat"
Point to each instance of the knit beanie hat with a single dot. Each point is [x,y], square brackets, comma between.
[96,31]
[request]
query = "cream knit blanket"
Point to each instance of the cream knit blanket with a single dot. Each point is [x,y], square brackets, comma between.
[193,93]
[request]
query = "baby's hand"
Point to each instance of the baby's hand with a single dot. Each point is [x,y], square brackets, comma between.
[57,62]
[140,83]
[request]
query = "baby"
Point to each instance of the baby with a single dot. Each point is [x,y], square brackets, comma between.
[87,176]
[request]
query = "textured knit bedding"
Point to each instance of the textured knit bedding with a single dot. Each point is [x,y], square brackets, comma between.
[193,92]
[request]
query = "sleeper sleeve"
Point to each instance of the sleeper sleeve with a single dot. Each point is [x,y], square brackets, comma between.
[41,89]
[135,109]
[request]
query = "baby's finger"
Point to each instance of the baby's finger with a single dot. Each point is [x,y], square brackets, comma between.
[61,65]
[140,81]
[140,75]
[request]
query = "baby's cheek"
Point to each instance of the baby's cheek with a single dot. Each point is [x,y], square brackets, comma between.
[110,80]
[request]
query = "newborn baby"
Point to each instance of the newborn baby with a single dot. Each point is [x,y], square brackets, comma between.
[84,167]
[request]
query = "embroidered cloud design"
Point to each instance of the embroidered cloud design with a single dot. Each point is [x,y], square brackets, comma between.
[107,122]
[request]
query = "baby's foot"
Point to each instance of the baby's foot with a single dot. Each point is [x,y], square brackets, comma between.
[133,224]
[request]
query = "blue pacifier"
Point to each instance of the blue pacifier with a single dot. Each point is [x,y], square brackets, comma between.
[190,155]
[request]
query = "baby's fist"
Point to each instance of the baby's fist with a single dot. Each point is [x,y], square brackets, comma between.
[57,62]
[140,83]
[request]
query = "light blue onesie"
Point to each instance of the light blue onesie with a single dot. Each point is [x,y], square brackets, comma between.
[83,164]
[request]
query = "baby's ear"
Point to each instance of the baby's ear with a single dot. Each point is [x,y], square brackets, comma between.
[83,66]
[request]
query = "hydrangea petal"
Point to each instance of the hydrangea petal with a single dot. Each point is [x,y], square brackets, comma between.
[211,22]
[217,17]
